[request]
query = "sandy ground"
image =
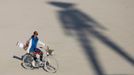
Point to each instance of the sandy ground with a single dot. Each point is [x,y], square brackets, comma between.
[93,37]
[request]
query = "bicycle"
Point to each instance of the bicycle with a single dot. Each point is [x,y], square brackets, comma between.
[48,63]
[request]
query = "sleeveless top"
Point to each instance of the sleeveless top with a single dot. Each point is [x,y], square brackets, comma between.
[33,44]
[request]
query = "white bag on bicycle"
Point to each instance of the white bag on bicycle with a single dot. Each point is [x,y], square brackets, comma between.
[20,45]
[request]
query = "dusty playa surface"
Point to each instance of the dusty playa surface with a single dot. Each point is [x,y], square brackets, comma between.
[90,37]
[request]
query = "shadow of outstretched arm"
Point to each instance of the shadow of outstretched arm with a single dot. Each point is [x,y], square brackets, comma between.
[112,45]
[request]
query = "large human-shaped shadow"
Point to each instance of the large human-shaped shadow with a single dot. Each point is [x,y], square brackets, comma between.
[77,23]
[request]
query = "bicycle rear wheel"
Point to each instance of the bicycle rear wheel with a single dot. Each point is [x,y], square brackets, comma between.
[27,61]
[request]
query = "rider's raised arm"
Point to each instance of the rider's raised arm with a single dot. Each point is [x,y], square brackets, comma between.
[42,43]
[29,46]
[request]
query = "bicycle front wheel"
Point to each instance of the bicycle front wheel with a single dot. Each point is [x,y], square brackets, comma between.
[51,64]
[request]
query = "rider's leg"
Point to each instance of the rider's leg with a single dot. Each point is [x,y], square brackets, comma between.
[38,57]
[40,54]
[34,61]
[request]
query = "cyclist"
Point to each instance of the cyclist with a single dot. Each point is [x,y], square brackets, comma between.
[31,47]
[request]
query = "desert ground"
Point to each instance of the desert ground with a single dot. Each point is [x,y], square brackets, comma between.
[90,37]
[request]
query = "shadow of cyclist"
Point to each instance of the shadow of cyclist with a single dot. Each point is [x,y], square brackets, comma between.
[80,25]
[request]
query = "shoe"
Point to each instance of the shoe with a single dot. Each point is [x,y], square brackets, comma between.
[33,63]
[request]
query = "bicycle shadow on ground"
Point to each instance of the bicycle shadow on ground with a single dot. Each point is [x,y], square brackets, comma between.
[18,58]
[76,23]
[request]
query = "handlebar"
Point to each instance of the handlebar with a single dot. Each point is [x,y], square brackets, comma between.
[48,50]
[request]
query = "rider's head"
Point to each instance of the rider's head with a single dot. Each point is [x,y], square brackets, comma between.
[35,33]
